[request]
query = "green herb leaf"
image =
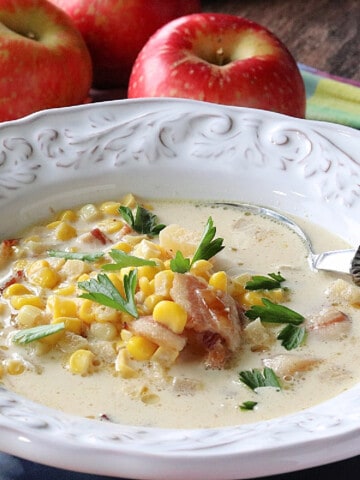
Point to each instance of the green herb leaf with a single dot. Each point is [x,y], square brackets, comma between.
[260,282]
[85,257]
[103,291]
[144,221]
[29,335]
[274,313]
[122,260]
[292,336]
[255,378]
[179,263]
[249,405]
[208,247]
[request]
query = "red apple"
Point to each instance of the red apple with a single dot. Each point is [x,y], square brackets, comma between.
[116,30]
[44,60]
[222,59]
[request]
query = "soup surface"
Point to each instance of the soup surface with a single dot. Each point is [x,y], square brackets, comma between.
[196,342]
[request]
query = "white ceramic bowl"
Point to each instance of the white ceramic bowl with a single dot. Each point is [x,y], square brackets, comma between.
[186,149]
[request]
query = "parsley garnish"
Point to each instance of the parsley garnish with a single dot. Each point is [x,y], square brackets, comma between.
[261,282]
[255,378]
[29,335]
[274,313]
[122,260]
[292,336]
[103,291]
[248,405]
[85,257]
[144,221]
[207,248]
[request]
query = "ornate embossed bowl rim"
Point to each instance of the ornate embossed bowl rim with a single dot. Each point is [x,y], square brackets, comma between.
[180,149]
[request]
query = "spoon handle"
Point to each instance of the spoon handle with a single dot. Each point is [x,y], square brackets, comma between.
[335,261]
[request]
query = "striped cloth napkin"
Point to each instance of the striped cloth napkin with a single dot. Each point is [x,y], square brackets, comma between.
[330,98]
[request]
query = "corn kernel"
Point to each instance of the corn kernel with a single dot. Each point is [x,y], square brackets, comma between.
[89,212]
[53,225]
[140,348]
[72,324]
[86,311]
[68,216]
[81,362]
[18,301]
[147,271]
[106,314]
[2,370]
[45,277]
[84,277]
[111,225]
[219,281]
[165,356]
[116,280]
[65,291]
[122,365]
[29,316]
[202,268]
[252,298]
[15,289]
[163,282]
[103,331]
[170,314]
[64,231]
[61,307]
[14,366]
[151,301]
[129,201]
[123,246]
[145,286]
[110,208]
[35,266]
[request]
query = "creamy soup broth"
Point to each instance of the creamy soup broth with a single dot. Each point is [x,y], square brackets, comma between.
[187,394]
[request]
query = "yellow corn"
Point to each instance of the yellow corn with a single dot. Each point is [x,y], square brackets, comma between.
[81,362]
[64,231]
[45,277]
[53,225]
[140,348]
[146,286]
[2,370]
[110,208]
[122,365]
[116,279]
[219,281]
[106,314]
[67,216]
[252,298]
[18,301]
[147,271]
[170,314]
[15,289]
[123,246]
[111,225]
[61,307]
[29,316]
[14,366]
[129,200]
[163,282]
[72,324]
[86,310]
[65,291]
[202,268]
[151,301]
[35,266]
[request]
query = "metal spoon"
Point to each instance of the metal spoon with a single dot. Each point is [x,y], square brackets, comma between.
[340,261]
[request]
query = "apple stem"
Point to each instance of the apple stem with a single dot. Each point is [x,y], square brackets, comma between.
[220,56]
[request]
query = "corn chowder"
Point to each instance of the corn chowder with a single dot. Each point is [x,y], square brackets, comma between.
[174,314]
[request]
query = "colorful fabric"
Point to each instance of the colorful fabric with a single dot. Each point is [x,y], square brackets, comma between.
[330,98]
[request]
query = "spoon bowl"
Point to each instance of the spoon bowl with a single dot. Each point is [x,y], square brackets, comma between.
[341,261]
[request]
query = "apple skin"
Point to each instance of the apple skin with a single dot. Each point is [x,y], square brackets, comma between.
[219,58]
[44,60]
[116,30]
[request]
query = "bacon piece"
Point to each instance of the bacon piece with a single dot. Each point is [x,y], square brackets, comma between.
[329,323]
[99,235]
[211,313]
